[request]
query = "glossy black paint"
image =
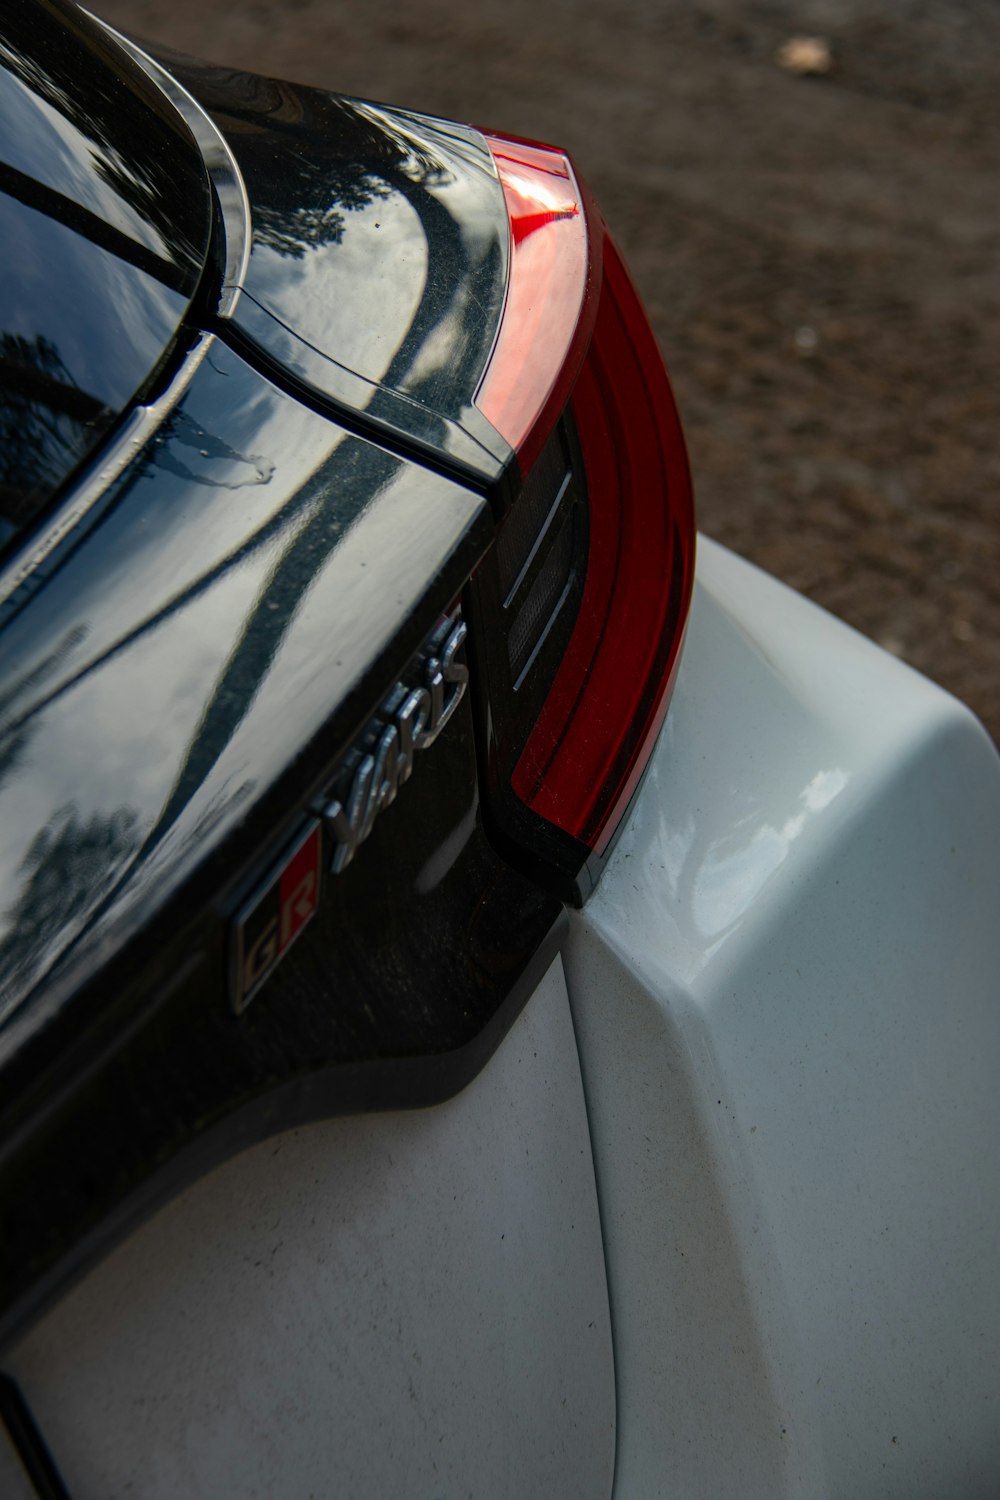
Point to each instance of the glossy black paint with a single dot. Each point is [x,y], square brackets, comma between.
[176,693]
[186,671]
[252,577]
[105,218]
[378,267]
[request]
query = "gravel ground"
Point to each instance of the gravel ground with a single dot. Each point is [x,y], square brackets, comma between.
[819,254]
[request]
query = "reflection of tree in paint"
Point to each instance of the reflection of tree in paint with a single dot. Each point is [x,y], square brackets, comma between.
[69,866]
[342,162]
[311,159]
[132,148]
[46,423]
[314,213]
[334,158]
[14,740]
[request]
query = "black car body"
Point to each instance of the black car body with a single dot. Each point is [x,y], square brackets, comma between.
[225,580]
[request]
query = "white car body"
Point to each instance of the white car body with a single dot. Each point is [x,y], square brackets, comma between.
[720,1218]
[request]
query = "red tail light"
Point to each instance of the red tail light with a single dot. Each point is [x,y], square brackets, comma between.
[576,382]
[532,369]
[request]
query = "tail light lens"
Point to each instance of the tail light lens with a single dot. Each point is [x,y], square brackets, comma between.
[545,321]
[582,603]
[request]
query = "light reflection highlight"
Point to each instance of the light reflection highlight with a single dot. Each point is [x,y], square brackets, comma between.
[716,880]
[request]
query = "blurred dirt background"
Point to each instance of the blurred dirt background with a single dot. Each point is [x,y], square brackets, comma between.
[819,254]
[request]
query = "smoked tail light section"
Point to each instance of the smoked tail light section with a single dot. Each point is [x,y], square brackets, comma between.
[581,606]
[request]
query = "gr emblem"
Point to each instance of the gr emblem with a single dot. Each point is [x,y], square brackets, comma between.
[272,919]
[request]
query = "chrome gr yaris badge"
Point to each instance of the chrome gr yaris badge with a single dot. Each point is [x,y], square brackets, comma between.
[411,719]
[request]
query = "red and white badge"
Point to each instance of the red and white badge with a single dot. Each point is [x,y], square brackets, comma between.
[272,919]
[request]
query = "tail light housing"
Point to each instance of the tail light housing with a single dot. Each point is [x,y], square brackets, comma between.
[580,607]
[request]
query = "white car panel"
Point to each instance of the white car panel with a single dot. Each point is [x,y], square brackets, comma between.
[785,996]
[409,1304]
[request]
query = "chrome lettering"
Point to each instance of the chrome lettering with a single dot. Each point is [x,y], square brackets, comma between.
[454,672]
[435,687]
[345,823]
[415,724]
[410,721]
